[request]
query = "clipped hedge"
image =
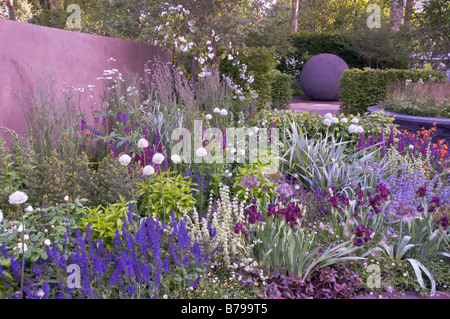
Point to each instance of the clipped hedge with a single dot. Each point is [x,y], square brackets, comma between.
[325,42]
[363,88]
[281,90]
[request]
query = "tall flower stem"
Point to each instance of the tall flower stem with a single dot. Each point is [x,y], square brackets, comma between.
[23,254]
[162,193]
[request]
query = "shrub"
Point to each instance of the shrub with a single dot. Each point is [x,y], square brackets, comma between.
[104,222]
[260,63]
[314,43]
[281,90]
[161,195]
[363,88]
[430,99]
[111,181]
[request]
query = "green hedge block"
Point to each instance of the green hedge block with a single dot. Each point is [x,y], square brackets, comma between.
[360,89]
[281,90]
[325,42]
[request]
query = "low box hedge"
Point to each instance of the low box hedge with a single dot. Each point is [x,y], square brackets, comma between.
[360,89]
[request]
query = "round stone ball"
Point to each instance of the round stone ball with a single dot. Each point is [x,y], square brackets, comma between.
[320,77]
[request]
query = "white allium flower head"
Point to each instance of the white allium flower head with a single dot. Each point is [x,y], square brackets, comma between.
[334,120]
[355,120]
[18,198]
[40,293]
[360,129]
[208,116]
[327,122]
[216,110]
[411,147]
[125,160]
[352,128]
[201,152]
[223,112]
[142,143]
[148,170]
[344,120]
[158,158]
[328,116]
[29,209]
[176,159]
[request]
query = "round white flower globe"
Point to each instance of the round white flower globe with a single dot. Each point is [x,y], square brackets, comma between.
[47,242]
[360,129]
[328,116]
[148,170]
[334,120]
[176,159]
[208,116]
[223,112]
[201,152]
[352,128]
[142,143]
[216,110]
[327,122]
[125,160]
[17,198]
[158,158]
[355,120]
[344,120]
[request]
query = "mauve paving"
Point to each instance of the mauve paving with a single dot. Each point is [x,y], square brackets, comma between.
[302,104]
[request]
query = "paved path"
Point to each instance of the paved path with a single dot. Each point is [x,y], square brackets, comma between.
[299,103]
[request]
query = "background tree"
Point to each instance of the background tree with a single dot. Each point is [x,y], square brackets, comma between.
[294,15]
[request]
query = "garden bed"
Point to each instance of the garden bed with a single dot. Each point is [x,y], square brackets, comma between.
[413,123]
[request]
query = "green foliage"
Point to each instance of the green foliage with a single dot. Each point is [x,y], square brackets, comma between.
[286,250]
[170,191]
[61,177]
[324,162]
[431,99]
[104,221]
[281,90]
[392,51]
[313,43]
[363,88]
[260,63]
[111,181]
[9,178]
[40,225]
[264,191]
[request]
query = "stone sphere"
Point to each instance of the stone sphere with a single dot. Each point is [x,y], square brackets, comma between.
[320,77]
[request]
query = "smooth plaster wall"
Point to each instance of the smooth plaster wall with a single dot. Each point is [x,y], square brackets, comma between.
[28,52]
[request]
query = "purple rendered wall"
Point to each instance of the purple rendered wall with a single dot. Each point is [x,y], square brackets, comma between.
[73,58]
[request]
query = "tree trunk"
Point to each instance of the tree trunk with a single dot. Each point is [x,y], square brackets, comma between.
[409,9]
[294,15]
[11,9]
[396,14]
